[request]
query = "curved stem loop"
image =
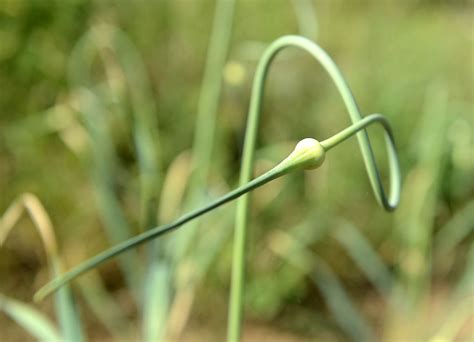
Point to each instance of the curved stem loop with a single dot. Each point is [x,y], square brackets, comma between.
[235,309]
[283,168]
[308,152]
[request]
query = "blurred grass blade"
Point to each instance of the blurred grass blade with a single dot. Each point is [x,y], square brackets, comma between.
[192,270]
[455,230]
[103,174]
[37,213]
[415,218]
[365,257]
[101,40]
[145,136]
[66,310]
[34,322]
[156,307]
[203,144]
[156,292]
[105,166]
[103,305]
[156,297]
[206,120]
[460,315]
[210,92]
[145,123]
[466,283]
[308,25]
[174,187]
[333,292]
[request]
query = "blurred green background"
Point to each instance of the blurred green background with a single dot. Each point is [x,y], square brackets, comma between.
[324,261]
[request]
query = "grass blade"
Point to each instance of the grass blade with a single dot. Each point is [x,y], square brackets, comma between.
[112,214]
[103,305]
[415,219]
[455,230]
[459,316]
[365,257]
[207,116]
[156,307]
[308,25]
[465,285]
[30,319]
[66,310]
[336,297]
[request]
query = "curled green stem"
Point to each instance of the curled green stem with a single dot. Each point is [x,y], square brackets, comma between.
[238,265]
[308,153]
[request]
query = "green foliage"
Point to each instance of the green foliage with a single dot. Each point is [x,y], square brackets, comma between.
[141,66]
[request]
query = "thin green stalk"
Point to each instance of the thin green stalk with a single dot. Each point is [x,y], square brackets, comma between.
[208,103]
[308,153]
[204,136]
[210,91]
[235,309]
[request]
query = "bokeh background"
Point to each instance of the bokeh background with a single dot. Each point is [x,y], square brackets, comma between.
[87,88]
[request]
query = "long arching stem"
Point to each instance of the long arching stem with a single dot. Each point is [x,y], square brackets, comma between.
[238,266]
